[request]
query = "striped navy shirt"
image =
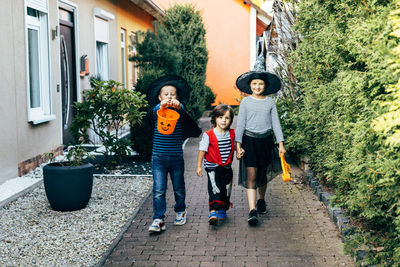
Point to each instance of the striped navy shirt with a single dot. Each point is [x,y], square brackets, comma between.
[224,145]
[167,144]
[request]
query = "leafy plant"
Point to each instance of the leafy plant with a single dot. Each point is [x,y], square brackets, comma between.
[346,119]
[106,108]
[76,156]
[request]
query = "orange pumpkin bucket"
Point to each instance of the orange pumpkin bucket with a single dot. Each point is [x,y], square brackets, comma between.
[285,169]
[167,119]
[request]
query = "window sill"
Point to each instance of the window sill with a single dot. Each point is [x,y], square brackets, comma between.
[42,119]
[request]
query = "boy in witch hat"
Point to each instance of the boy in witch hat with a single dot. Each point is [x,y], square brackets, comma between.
[170,92]
[257,119]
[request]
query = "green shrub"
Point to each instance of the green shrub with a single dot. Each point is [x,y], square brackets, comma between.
[185,24]
[347,78]
[177,46]
[106,108]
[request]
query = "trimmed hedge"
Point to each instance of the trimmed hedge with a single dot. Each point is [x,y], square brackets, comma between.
[347,120]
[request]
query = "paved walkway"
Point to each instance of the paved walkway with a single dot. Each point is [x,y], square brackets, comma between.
[296,231]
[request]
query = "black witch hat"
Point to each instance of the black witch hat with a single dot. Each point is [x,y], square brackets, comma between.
[182,87]
[272,82]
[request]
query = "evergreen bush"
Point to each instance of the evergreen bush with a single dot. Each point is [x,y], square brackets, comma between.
[347,118]
[177,46]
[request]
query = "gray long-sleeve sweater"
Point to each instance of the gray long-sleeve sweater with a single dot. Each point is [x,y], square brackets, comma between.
[258,116]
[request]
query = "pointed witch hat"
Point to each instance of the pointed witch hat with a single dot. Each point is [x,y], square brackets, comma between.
[272,82]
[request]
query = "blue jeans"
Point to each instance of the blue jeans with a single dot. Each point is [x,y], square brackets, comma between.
[175,166]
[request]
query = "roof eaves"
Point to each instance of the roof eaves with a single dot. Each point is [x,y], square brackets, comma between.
[150,7]
[262,12]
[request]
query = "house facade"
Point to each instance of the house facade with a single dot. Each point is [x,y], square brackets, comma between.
[232,30]
[50,49]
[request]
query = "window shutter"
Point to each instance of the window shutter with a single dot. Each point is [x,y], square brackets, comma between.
[40,5]
[101,30]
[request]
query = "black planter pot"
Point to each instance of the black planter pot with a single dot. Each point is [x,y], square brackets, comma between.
[68,188]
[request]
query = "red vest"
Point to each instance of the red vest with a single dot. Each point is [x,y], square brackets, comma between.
[213,154]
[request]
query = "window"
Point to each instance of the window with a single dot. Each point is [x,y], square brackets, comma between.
[133,53]
[123,56]
[38,65]
[102,40]
[102,60]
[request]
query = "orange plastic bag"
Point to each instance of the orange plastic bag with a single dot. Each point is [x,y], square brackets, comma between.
[167,119]
[285,169]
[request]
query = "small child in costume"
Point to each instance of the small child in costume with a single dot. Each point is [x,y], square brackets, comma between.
[216,149]
[167,148]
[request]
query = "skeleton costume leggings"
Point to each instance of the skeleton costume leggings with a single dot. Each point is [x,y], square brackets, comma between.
[219,187]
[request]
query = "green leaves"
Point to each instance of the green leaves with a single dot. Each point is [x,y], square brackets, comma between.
[178,46]
[348,117]
[389,121]
[106,108]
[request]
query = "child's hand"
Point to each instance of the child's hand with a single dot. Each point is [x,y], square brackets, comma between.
[175,103]
[239,150]
[170,103]
[198,171]
[240,153]
[281,148]
[164,103]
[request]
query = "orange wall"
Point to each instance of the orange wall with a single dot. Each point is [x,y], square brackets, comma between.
[133,17]
[227,24]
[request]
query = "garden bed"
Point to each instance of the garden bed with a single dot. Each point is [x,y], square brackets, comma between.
[129,165]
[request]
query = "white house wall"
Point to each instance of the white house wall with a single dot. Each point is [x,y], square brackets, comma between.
[8,114]
[33,140]
[87,42]
[20,140]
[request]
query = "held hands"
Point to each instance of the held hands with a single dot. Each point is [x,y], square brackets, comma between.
[239,151]
[198,171]
[170,103]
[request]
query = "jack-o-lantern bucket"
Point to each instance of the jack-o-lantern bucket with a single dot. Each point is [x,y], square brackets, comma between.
[167,119]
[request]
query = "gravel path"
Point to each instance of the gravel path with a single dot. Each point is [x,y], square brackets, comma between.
[32,234]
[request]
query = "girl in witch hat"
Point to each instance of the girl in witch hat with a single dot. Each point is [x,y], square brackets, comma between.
[257,121]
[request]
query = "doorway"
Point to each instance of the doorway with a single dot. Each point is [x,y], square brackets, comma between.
[68,69]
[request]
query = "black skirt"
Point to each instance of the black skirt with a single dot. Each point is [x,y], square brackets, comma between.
[258,154]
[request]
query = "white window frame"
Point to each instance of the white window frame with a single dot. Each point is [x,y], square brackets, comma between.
[123,56]
[42,113]
[253,36]
[104,73]
[135,68]
[102,36]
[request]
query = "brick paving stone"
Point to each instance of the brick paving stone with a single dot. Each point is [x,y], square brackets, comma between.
[296,231]
[210,264]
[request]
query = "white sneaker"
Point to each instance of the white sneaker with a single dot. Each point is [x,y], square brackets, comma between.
[157,226]
[180,218]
